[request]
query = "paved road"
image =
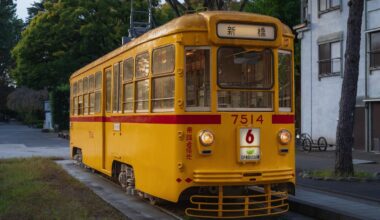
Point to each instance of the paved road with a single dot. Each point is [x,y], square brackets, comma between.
[18,140]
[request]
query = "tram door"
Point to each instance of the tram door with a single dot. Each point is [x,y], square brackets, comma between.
[113,107]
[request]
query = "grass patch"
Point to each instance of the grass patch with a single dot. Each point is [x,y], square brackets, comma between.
[330,174]
[38,188]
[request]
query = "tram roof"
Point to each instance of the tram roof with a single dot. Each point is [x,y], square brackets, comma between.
[197,22]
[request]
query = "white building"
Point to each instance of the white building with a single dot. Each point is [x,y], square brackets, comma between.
[323,35]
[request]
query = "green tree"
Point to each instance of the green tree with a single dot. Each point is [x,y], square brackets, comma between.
[10,29]
[68,35]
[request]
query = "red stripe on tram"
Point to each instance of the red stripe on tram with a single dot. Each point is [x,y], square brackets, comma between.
[282,119]
[154,119]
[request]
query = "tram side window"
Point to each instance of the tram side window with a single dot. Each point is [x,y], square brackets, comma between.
[98,91]
[116,105]
[163,85]
[74,99]
[91,83]
[285,80]
[142,65]
[85,96]
[80,97]
[142,85]
[128,67]
[197,79]
[142,96]
[108,89]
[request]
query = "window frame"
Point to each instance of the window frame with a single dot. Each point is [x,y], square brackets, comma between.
[328,9]
[370,52]
[242,88]
[107,71]
[203,108]
[98,91]
[117,98]
[286,109]
[150,66]
[173,67]
[331,74]
[129,81]
[161,75]
[140,79]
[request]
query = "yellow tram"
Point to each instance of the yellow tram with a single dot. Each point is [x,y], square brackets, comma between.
[200,108]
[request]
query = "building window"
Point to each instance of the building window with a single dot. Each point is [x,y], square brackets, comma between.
[374,53]
[328,5]
[330,59]
[304,11]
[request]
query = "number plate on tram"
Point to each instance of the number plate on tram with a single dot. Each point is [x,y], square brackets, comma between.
[249,144]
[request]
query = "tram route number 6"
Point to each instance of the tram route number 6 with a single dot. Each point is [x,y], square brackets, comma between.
[249,136]
[247,119]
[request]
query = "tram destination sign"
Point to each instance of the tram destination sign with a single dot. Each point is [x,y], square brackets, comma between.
[246,31]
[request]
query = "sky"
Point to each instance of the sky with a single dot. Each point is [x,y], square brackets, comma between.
[22,5]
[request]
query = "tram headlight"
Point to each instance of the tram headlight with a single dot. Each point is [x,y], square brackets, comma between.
[284,136]
[206,138]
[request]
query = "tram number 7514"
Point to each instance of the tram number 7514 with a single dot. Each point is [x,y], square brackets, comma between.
[247,119]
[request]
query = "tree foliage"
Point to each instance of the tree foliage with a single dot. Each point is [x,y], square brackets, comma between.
[64,35]
[10,28]
[28,103]
[60,106]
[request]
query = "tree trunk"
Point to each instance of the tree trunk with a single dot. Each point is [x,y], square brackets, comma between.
[344,135]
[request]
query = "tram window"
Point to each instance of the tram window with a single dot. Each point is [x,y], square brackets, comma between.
[116,106]
[128,69]
[75,105]
[91,83]
[80,87]
[86,106]
[98,91]
[85,85]
[142,65]
[128,97]
[285,80]
[142,96]
[92,103]
[163,60]
[98,98]
[235,100]
[163,93]
[245,69]
[197,79]
[98,80]
[108,89]
[80,105]
[75,89]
